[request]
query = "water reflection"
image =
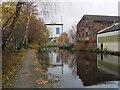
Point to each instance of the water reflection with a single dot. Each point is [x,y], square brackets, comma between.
[81,69]
[54,58]
[108,63]
[90,71]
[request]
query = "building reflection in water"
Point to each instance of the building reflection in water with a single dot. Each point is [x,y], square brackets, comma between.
[54,59]
[92,70]
[108,63]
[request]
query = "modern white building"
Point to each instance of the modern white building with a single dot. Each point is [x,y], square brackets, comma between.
[54,31]
[108,38]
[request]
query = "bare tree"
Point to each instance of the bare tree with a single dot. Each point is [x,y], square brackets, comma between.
[46,9]
[72,34]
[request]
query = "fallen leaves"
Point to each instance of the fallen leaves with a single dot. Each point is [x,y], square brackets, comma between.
[42,71]
[36,62]
[37,69]
[40,81]
[11,60]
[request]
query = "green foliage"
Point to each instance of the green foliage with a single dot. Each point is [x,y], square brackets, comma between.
[8,13]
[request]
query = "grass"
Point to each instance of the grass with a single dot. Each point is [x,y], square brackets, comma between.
[43,64]
[43,59]
[101,51]
[71,48]
[48,46]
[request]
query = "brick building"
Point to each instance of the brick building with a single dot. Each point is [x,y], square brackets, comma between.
[89,25]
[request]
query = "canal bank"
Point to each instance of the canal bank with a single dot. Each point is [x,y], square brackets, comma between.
[74,49]
[102,51]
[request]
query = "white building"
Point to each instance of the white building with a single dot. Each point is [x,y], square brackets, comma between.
[54,31]
[108,38]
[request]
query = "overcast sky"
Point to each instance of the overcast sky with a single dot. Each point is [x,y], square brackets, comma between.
[73,10]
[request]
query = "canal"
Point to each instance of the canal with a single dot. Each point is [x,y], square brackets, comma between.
[81,69]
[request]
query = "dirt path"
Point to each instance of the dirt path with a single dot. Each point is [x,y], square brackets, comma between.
[27,77]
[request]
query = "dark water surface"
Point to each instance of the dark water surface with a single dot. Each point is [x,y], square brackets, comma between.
[81,69]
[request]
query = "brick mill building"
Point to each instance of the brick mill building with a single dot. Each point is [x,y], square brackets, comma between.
[88,27]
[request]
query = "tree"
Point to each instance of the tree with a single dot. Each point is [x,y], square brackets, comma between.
[18,15]
[63,39]
[12,25]
[38,32]
[72,34]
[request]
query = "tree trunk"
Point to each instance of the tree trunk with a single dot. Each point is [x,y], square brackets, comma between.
[18,7]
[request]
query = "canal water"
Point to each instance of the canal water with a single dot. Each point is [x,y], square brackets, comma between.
[81,69]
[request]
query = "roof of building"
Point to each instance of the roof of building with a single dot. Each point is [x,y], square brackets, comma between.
[103,18]
[53,24]
[115,27]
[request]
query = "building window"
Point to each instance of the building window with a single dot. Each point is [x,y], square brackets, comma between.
[79,34]
[83,34]
[86,33]
[57,30]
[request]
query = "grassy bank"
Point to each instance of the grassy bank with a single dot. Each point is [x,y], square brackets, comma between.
[73,49]
[49,46]
[11,62]
[70,48]
[45,47]
[102,51]
[42,65]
